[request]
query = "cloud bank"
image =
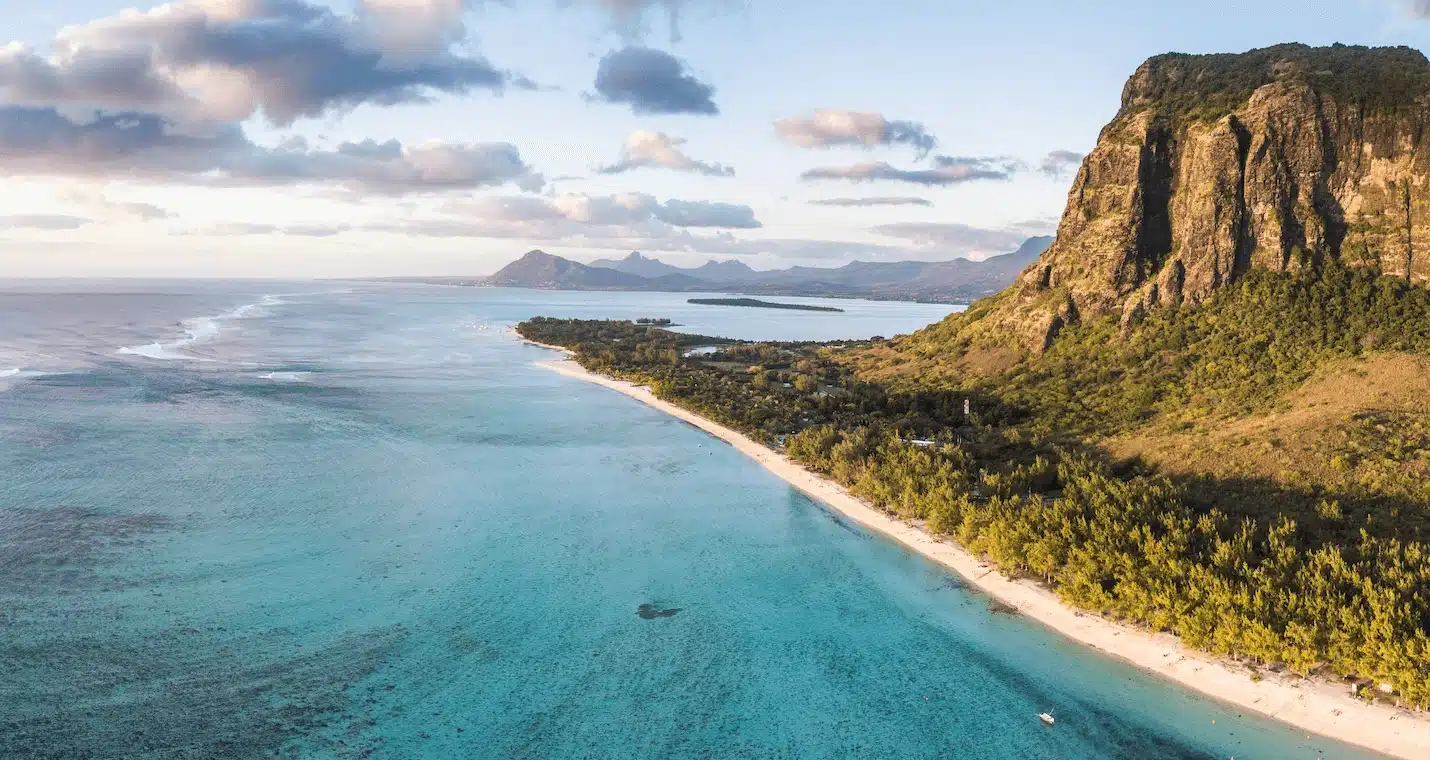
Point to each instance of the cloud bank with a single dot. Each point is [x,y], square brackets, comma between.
[231,229]
[95,200]
[48,222]
[227,60]
[161,96]
[966,240]
[621,220]
[43,141]
[607,210]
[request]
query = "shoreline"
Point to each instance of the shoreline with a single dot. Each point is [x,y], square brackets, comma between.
[1319,707]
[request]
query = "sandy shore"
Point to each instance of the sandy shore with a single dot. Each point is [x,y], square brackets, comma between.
[1317,707]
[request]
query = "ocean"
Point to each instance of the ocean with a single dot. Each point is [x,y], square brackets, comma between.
[353,520]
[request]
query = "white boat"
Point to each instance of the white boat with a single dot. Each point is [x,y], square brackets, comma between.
[1046,718]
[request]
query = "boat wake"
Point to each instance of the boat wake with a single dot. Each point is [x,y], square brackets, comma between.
[197,330]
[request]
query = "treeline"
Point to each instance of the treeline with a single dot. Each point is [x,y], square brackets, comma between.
[1208,87]
[768,390]
[1135,550]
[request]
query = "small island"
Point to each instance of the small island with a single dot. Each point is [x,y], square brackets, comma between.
[758,304]
[655,322]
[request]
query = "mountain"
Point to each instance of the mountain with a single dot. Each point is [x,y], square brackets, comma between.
[711,271]
[1231,330]
[955,280]
[539,269]
[984,277]
[724,271]
[1204,409]
[640,266]
[1216,165]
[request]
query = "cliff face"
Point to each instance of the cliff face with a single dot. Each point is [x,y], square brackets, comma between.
[1278,158]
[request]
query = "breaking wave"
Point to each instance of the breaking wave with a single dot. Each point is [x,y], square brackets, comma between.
[197,330]
[286,377]
[9,378]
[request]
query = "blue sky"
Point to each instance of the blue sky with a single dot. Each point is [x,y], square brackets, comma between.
[480,177]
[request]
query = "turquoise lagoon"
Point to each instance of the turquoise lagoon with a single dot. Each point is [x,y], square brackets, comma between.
[248,520]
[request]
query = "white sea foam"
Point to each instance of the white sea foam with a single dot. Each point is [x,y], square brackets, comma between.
[9,378]
[24,374]
[198,330]
[160,352]
[286,377]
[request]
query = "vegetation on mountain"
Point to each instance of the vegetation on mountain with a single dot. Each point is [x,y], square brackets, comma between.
[1209,87]
[1236,355]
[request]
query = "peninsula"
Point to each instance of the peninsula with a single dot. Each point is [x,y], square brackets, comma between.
[1316,706]
[1190,434]
[758,304]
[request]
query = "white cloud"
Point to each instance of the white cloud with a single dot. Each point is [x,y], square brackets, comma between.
[646,149]
[831,127]
[872,201]
[1057,163]
[948,170]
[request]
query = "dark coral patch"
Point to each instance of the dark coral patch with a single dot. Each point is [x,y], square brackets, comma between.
[653,611]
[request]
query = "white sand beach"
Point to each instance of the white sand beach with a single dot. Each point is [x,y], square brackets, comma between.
[1314,706]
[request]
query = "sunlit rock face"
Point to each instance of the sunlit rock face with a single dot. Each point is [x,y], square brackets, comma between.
[1278,158]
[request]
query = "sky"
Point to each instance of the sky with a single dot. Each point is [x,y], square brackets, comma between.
[356,138]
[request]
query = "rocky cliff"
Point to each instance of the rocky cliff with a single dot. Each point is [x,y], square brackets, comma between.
[1278,158]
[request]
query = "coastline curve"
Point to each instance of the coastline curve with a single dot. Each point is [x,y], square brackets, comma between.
[1317,707]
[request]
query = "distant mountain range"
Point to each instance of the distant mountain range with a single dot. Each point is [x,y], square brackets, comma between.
[710,271]
[958,280]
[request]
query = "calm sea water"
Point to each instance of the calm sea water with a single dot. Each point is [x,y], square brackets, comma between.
[318,521]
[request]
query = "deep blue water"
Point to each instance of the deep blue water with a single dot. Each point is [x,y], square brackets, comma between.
[243,520]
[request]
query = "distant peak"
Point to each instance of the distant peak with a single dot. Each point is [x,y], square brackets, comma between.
[726,263]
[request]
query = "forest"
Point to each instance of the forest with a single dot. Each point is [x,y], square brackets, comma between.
[1328,577]
[1208,87]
